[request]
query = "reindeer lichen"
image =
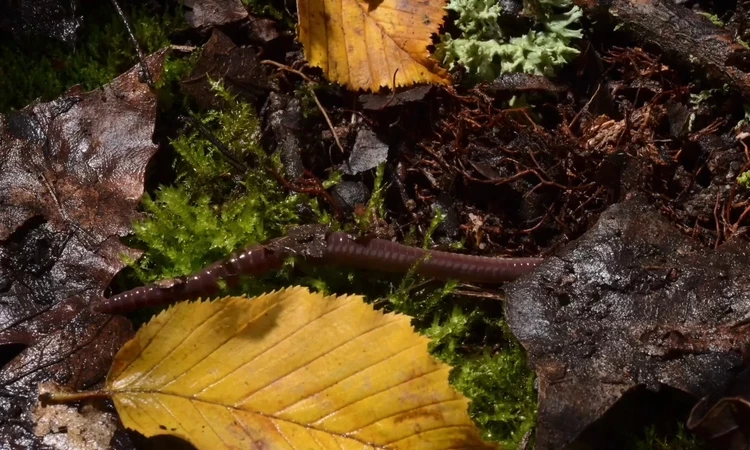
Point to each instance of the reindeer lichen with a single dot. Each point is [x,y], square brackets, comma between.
[486,51]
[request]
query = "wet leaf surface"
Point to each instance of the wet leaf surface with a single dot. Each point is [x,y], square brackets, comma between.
[368,152]
[631,303]
[724,420]
[520,82]
[53,18]
[71,176]
[238,67]
[210,13]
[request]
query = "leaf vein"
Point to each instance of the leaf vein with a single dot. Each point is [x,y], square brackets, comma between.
[343,304]
[322,355]
[469,426]
[378,392]
[439,402]
[146,374]
[338,382]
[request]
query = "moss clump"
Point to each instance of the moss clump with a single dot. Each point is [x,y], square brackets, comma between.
[489,366]
[44,68]
[212,210]
[682,440]
[499,384]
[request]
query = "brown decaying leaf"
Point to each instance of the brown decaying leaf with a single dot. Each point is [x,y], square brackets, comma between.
[632,303]
[211,13]
[366,45]
[71,175]
[237,67]
[724,420]
[376,102]
[53,18]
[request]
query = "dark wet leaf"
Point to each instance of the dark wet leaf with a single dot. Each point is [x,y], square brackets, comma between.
[724,419]
[52,18]
[283,116]
[210,13]
[520,82]
[237,67]
[71,176]
[631,303]
[368,152]
[262,29]
[349,194]
[679,119]
[380,101]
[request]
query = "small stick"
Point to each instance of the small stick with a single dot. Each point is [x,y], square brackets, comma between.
[315,97]
[145,73]
[231,158]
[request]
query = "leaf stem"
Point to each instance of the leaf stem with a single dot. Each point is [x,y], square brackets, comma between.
[58,398]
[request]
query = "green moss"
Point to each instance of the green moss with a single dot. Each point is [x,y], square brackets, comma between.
[212,211]
[682,440]
[713,18]
[43,68]
[744,180]
[275,9]
[499,383]
[375,209]
[489,366]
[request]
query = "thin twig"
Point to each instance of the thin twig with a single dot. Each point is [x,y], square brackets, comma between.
[229,155]
[315,97]
[145,73]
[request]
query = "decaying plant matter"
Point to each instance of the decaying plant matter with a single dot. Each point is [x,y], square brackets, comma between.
[255,141]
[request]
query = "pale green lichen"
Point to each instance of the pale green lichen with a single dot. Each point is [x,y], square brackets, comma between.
[486,52]
[744,180]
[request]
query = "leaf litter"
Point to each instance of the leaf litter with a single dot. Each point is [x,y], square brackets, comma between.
[529,180]
[631,303]
[72,176]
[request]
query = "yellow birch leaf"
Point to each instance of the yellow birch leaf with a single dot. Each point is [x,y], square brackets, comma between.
[288,370]
[362,44]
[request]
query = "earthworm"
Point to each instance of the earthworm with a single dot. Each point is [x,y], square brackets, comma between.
[254,260]
[383,255]
[335,248]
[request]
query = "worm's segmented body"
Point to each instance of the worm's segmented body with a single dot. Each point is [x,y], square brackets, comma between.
[255,260]
[388,256]
[336,248]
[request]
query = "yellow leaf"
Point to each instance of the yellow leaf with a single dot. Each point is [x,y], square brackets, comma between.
[288,370]
[362,44]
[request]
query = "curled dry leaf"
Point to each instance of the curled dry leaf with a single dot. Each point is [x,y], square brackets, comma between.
[724,419]
[364,45]
[290,369]
[71,176]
